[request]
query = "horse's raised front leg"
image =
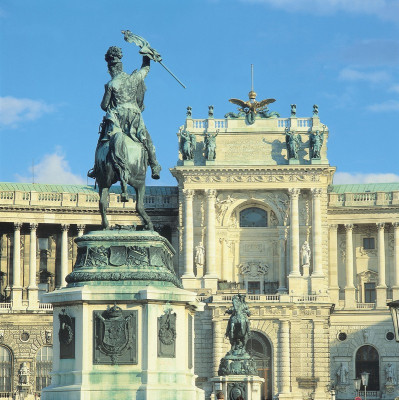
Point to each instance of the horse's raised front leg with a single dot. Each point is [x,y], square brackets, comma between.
[140,191]
[103,192]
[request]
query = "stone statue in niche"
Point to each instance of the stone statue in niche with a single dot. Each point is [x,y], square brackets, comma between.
[342,374]
[293,142]
[199,255]
[305,253]
[390,374]
[187,144]
[23,374]
[210,145]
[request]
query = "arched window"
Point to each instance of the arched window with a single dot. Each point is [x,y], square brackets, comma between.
[5,369]
[259,348]
[44,365]
[253,217]
[367,360]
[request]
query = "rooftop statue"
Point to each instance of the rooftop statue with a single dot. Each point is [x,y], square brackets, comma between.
[187,144]
[125,149]
[316,142]
[210,145]
[293,141]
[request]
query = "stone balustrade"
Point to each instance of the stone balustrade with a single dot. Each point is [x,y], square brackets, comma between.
[83,200]
[266,298]
[363,199]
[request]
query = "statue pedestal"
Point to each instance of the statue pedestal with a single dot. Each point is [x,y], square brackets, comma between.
[232,386]
[123,327]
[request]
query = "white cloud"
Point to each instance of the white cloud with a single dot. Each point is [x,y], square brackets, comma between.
[350,74]
[347,177]
[53,168]
[384,9]
[14,111]
[389,105]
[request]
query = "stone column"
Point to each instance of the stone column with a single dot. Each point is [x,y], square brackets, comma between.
[81,229]
[218,345]
[211,277]
[282,272]
[333,263]
[294,231]
[395,287]
[225,258]
[64,254]
[381,289]
[188,243]
[32,288]
[285,364]
[349,288]
[317,233]
[16,291]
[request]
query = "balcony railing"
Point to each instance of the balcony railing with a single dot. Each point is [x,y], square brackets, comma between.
[366,306]
[85,200]
[265,298]
[363,199]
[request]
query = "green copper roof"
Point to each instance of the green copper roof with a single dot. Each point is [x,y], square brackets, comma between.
[49,188]
[364,187]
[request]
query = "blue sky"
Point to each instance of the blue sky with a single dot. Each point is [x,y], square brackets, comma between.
[342,55]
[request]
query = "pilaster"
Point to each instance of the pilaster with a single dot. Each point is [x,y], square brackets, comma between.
[210,278]
[395,287]
[349,287]
[381,289]
[188,238]
[32,288]
[16,290]
[333,263]
[64,254]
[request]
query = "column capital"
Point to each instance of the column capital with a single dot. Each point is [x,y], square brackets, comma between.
[380,226]
[294,192]
[33,226]
[317,192]
[395,225]
[81,227]
[64,227]
[188,193]
[333,227]
[210,193]
[349,227]
[17,226]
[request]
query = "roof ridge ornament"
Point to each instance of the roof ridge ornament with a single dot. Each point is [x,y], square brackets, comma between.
[251,108]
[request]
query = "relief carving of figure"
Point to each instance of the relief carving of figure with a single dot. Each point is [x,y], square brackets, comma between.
[342,374]
[210,145]
[187,144]
[293,142]
[305,253]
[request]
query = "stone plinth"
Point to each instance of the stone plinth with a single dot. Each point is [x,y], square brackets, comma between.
[123,327]
[232,386]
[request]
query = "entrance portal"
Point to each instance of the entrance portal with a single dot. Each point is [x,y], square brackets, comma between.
[260,349]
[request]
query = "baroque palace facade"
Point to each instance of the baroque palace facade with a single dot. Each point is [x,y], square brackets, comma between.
[317,261]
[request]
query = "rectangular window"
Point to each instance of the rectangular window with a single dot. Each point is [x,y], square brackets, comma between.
[254,287]
[368,243]
[369,292]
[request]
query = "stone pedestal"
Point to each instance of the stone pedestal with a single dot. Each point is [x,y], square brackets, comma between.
[293,161]
[123,327]
[232,386]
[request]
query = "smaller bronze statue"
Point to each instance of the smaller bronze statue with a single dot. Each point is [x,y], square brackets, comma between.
[316,142]
[189,112]
[237,361]
[187,144]
[293,110]
[210,145]
[293,142]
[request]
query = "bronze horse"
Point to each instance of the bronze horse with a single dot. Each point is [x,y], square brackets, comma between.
[132,164]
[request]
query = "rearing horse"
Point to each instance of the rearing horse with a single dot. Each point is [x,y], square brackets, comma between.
[131,163]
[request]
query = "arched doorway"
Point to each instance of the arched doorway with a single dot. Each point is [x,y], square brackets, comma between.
[260,349]
[367,360]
